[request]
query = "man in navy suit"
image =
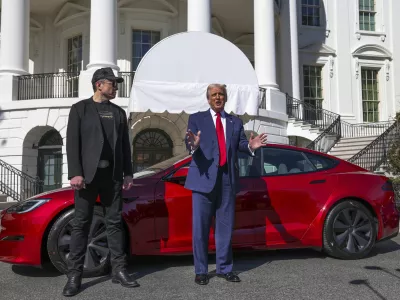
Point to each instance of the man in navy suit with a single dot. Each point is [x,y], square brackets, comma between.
[213,178]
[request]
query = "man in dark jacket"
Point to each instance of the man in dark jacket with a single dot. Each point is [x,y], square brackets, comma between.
[99,164]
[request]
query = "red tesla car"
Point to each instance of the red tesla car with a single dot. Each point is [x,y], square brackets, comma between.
[289,198]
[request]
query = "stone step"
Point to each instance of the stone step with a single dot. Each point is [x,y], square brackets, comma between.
[3,198]
[354,149]
[356,145]
[357,139]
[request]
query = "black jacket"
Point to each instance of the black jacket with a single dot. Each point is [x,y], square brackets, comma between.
[85,141]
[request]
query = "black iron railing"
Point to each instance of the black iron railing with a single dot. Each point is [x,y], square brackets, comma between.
[333,127]
[364,129]
[16,184]
[316,116]
[48,85]
[375,154]
[124,89]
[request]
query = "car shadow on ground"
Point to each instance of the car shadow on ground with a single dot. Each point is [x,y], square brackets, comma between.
[244,261]
[384,247]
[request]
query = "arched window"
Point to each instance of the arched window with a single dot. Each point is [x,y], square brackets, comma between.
[50,160]
[150,146]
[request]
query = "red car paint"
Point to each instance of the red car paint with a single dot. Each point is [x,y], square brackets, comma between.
[272,212]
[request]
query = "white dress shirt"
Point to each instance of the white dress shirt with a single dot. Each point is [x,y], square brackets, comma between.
[223,121]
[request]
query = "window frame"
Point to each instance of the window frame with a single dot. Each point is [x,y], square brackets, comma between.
[334,162]
[321,18]
[378,83]
[132,43]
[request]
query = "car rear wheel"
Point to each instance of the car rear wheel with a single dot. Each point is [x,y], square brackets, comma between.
[97,257]
[349,231]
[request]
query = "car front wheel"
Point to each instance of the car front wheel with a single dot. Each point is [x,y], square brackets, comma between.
[349,231]
[97,256]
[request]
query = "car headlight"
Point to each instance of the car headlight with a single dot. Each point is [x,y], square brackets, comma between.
[26,206]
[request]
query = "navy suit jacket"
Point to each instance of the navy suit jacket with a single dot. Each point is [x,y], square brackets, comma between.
[203,169]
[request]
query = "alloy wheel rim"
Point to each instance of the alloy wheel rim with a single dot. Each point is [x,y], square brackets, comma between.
[352,230]
[97,250]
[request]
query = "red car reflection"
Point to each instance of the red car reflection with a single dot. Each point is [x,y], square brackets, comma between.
[289,198]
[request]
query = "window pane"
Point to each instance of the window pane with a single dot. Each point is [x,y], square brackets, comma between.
[284,162]
[142,41]
[310,12]
[370,95]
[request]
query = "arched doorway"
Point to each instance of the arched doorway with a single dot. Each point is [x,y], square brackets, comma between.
[150,146]
[50,160]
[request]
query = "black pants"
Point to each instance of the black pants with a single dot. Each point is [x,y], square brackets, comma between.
[110,196]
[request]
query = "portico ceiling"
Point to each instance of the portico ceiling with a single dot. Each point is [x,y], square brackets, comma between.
[235,15]
[46,6]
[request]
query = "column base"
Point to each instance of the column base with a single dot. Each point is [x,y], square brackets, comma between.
[85,84]
[98,65]
[9,90]
[15,72]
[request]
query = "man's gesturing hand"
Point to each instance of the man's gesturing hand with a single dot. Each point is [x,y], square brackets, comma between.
[193,139]
[77,182]
[128,182]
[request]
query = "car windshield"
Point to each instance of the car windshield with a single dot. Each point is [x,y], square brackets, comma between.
[161,166]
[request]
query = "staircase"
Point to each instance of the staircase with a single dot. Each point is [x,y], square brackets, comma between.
[364,144]
[348,147]
[16,185]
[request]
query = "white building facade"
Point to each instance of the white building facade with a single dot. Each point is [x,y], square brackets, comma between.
[338,55]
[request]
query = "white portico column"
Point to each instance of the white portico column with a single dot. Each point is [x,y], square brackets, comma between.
[294,44]
[103,34]
[15,37]
[264,43]
[199,15]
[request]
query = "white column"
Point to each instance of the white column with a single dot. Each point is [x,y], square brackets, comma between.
[103,34]
[294,45]
[264,43]
[199,15]
[15,37]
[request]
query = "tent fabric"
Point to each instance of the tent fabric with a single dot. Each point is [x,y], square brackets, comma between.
[177,97]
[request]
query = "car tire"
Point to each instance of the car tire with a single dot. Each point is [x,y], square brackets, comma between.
[350,231]
[59,238]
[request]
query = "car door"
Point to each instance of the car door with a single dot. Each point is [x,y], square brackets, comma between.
[174,217]
[251,201]
[296,190]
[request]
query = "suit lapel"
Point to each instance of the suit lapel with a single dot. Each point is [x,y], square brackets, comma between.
[209,127]
[95,114]
[228,130]
[116,123]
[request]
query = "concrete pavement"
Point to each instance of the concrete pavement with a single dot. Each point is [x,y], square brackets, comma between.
[293,274]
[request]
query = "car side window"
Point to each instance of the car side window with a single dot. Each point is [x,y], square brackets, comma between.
[249,166]
[320,162]
[278,162]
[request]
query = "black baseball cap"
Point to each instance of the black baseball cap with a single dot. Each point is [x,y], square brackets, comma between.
[106,73]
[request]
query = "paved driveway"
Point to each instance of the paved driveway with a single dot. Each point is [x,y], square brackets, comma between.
[294,274]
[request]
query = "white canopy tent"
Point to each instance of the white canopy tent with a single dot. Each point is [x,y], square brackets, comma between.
[174,74]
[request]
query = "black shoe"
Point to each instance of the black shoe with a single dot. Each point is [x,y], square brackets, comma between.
[201,279]
[124,279]
[72,286]
[230,277]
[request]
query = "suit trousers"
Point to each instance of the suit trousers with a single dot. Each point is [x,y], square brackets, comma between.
[219,203]
[111,200]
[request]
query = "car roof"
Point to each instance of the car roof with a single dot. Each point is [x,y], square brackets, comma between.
[289,147]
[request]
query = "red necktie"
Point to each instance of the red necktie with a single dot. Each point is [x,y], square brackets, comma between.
[221,140]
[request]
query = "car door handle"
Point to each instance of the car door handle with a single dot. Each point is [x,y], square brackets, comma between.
[318,181]
[130,199]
